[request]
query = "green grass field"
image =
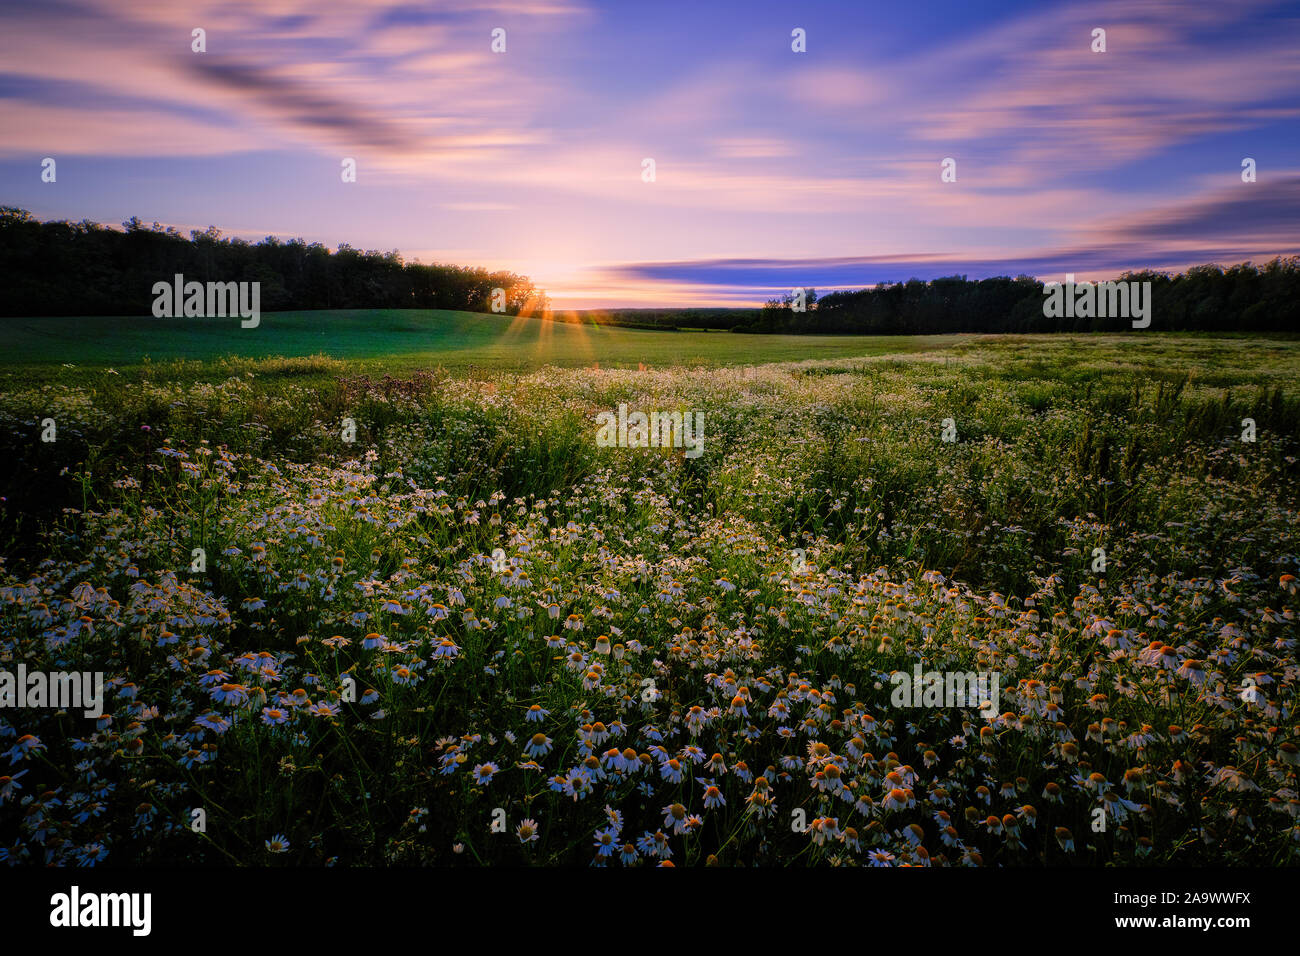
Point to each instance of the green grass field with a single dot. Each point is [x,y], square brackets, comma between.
[434,619]
[404,339]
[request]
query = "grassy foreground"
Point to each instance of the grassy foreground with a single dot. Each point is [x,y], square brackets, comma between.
[394,339]
[473,635]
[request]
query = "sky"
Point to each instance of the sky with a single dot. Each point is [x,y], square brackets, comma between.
[773,169]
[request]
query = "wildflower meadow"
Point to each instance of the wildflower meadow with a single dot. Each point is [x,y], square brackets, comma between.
[349,618]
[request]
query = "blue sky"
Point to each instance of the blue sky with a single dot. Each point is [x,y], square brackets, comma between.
[773,168]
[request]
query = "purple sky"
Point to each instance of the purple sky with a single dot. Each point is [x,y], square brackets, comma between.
[774,168]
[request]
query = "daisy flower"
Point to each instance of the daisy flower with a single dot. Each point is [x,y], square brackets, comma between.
[606,842]
[483,773]
[277,844]
[675,817]
[539,746]
[446,648]
[577,784]
[760,800]
[527,831]
[627,761]
[91,854]
[1192,671]
[274,716]
[1232,779]
[10,785]
[592,765]
[25,744]
[213,721]
[899,799]
[671,770]
[233,694]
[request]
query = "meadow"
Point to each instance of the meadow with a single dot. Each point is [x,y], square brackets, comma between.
[472,635]
[379,340]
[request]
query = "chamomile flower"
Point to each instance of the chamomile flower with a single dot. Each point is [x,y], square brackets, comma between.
[675,817]
[445,649]
[671,770]
[274,716]
[233,694]
[9,785]
[577,784]
[278,844]
[527,831]
[539,745]
[692,753]
[606,842]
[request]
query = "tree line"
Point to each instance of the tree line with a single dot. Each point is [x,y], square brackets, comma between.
[1243,297]
[84,268]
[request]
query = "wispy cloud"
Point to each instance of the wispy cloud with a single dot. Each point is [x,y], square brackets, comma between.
[407,84]
[1122,159]
[1210,228]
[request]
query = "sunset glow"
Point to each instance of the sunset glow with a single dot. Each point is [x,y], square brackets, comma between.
[773,168]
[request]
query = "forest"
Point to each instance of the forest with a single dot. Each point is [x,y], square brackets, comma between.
[84,268]
[1242,297]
